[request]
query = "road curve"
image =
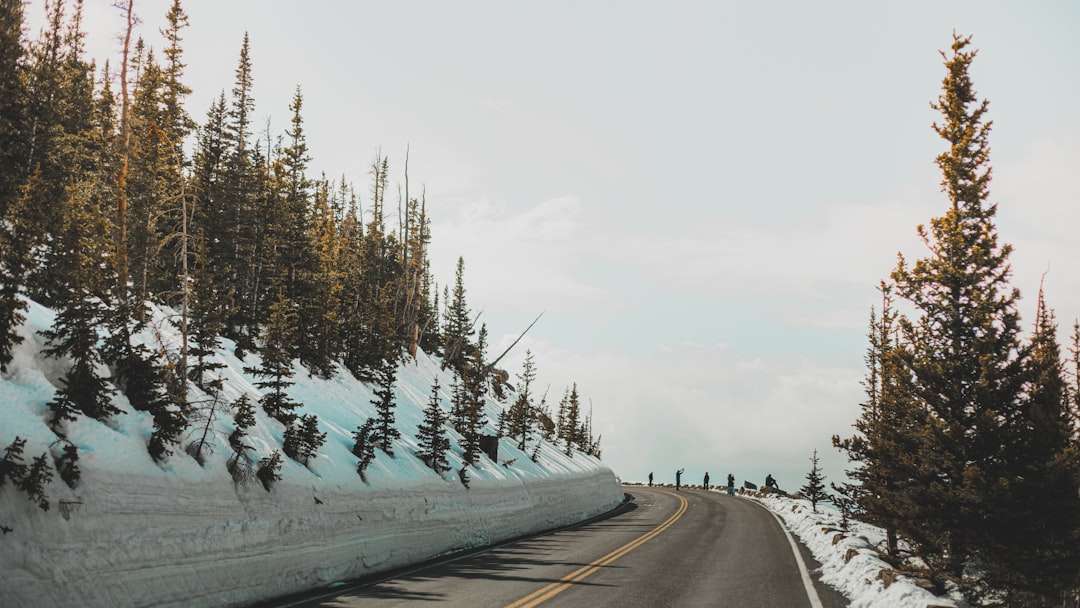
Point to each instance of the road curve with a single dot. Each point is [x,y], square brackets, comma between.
[664,548]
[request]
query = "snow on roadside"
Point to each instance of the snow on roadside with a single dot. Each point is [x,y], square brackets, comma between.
[849,560]
[135,533]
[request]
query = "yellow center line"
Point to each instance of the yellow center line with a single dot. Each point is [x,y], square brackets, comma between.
[542,595]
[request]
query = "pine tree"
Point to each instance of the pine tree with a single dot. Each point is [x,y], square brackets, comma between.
[67,464]
[33,484]
[1034,548]
[458,403]
[11,465]
[74,334]
[814,490]
[13,106]
[473,388]
[431,436]
[303,439]
[232,231]
[364,446]
[384,432]
[570,420]
[30,479]
[457,326]
[522,414]
[888,468]
[276,367]
[269,471]
[244,417]
[14,251]
[966,361]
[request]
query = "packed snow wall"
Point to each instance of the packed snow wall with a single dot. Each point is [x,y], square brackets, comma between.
[132,543]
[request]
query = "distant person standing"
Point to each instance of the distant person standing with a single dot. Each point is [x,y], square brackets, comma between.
[650,479]
[730,484]
[678,479]
[706,484]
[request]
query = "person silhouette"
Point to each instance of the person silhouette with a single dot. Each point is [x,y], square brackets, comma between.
[730,484]
[706,484]
[678,479]
[650,479]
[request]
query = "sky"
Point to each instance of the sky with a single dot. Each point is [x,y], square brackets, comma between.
[701,197]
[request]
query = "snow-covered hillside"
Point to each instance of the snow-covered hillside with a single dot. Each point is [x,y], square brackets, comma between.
[135,533]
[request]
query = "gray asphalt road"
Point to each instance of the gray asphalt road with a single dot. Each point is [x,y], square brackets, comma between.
[685,549]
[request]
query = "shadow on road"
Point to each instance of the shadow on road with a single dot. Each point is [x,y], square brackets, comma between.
[502,562]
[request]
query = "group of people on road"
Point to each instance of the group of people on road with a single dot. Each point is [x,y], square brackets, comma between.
[770,482]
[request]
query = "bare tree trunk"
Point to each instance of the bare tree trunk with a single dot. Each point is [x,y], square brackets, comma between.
[124,153]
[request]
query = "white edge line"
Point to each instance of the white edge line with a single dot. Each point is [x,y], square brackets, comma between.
[811,593]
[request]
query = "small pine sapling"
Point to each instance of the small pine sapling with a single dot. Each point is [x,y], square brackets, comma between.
[431,434]
[384,431]
[67,464]
[814,490]
[269,471]
[11,465]
[244,416]
[364,447]
[33,484]
[303,440]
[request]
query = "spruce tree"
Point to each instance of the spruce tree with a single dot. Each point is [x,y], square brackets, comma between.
[884,451]
[474,389]
[33,484]
[431,434]
[12,467]
[276,368]
[384,432]
[457,325]
[522,414]
[14,134]
[269,471]
[14,251]
[814,490]
[364,447]
[244,418]
[74,334]
[1033,552]
[966,361]
[303,439]
[67,463]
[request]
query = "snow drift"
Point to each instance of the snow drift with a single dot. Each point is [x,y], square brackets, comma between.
[136,533]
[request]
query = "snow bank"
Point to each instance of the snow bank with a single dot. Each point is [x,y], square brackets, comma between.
[849,560]
[134,533]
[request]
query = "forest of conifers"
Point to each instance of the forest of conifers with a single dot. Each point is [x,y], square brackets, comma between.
[113,196]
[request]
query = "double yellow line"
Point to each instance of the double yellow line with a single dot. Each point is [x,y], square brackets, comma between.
[538,597]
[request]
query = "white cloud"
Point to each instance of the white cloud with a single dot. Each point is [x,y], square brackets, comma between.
[529,257]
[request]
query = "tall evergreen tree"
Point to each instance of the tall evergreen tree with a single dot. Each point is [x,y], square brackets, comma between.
[1034,548]
[13,104]
[966,361]
[474,390]
[74,335]
[885,449]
